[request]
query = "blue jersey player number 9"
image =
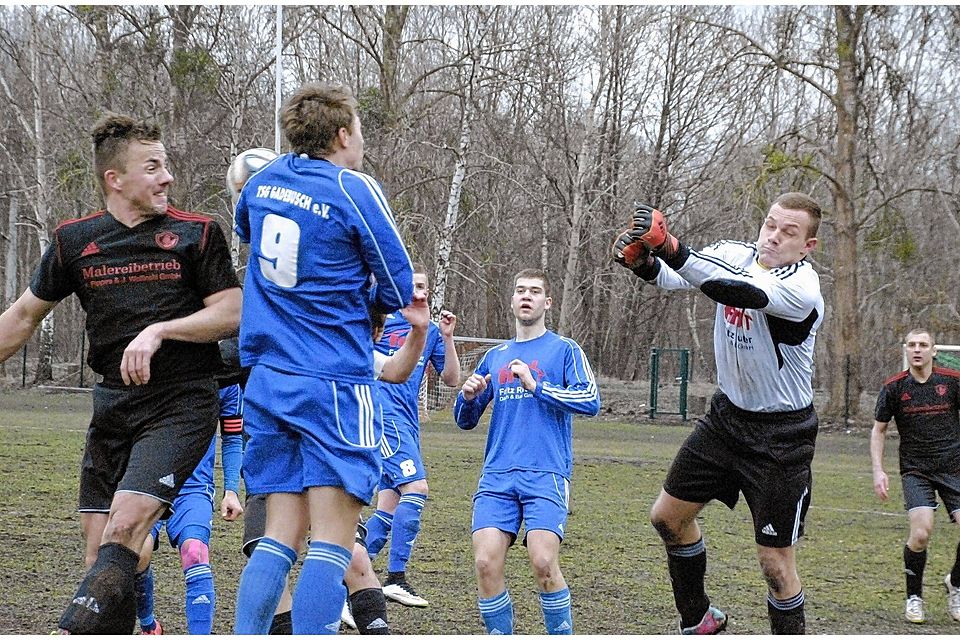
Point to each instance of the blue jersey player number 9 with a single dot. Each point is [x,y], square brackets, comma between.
[279,246]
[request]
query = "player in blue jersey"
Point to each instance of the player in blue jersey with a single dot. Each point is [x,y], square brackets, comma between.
[536,382]
[188,529]
[403,485]
[319,232]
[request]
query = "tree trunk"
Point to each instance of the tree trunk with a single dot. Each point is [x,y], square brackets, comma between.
[445,241]
[844,393]
[10,266]
[45,354]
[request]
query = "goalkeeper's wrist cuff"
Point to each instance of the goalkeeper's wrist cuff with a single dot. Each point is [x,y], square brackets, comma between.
[648,269]
[677,258]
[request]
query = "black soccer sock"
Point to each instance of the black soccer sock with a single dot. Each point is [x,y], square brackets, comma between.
[369,609]
[786,616]
[282,624]
[913,565]
[955,572]
[688,566]
[105,602]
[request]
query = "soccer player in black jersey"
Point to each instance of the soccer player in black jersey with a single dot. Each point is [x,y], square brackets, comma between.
[924,401]
[159,290]
[759,434]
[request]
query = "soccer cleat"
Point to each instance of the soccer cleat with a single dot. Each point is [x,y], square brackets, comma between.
[399,590]
[714,621]
[346,616]
[914,610]
[156,631]
[953,599]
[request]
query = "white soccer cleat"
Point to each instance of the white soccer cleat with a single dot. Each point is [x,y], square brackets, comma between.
[914,610]
[346,616]
[401,591]
[953,599]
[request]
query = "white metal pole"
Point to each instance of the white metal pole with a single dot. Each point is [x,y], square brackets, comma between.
[279,68]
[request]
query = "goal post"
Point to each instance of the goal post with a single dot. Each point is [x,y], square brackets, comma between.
[434,395]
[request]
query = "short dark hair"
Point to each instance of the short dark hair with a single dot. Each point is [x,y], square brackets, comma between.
[918,331]
[378,320]
[419,267]
[112,135]
[538,274]
[314,114]
[802,202]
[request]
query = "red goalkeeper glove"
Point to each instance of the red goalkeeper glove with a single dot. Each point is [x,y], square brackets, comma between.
[650,227]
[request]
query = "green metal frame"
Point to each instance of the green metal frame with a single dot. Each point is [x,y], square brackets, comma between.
[683,379]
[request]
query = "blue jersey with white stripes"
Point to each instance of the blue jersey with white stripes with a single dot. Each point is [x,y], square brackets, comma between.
[317,232]
[532,431]
[399,401]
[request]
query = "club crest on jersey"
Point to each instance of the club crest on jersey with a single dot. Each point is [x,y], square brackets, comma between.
[737,317]
[396,338]
[167,240]
[941,389]
[505,375]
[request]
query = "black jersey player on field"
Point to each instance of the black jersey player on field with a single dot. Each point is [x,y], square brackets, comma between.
[758,436]
[154,282]
[924,401]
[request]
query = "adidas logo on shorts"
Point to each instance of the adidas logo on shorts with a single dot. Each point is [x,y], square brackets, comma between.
[769,530]
[167,480]
[377,624]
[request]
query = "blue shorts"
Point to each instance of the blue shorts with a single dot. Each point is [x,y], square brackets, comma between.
[192,518]
[231,400]
[400,449]
[538,498]
[310,432]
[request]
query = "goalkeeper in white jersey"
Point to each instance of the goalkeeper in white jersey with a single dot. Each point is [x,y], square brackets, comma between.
[758,436]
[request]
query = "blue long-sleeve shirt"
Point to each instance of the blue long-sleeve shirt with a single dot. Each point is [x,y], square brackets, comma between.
[532,430]
[317,233]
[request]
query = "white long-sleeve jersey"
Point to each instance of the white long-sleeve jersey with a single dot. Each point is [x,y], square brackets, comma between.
[764,355]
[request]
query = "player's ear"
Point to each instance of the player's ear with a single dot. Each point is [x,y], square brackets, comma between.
[548,302]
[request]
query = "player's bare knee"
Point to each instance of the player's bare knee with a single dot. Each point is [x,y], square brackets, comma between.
[123,529]
[194,552]
[544,567]
[417,486]
[668,532]
[919,538]
[776,572]
[488,567]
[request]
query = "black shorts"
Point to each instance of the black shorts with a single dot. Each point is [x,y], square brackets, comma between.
[146,439]
[255,524]
[919,491]
[767,456]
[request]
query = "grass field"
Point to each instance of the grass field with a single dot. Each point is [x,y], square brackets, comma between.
[850,560]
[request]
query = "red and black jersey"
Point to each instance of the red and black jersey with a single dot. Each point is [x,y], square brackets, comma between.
[927,419]
[128,278]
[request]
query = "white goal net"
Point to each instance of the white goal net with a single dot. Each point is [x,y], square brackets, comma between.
[434,394]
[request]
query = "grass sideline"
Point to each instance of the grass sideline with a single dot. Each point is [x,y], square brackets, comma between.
[850,560]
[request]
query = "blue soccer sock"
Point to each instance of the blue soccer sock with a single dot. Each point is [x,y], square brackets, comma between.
[378,528]
[261,585]
[320,593]
[143,587]
[497,613]
[557,615]
[200,599]
[406,526]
